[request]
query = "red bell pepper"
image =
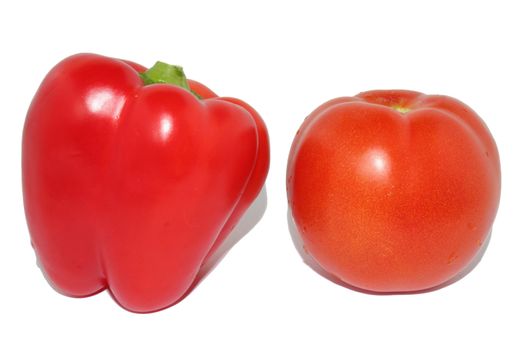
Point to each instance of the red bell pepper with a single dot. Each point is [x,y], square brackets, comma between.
[133,177]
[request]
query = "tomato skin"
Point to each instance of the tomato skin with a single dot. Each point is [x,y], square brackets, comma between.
[390,201]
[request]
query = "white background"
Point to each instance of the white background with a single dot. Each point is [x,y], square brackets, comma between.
[284,59]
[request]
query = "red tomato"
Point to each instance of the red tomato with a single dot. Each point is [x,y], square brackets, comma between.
[393,191]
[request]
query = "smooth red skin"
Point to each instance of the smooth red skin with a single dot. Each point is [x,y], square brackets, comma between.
[129,187]
[261,167]
[392,202]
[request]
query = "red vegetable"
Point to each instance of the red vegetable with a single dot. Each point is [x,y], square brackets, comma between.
[132,187]
[393,191]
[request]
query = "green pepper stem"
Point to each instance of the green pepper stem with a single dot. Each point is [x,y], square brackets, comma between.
[163,73]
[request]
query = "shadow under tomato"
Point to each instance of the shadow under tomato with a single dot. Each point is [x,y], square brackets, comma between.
[313,264]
